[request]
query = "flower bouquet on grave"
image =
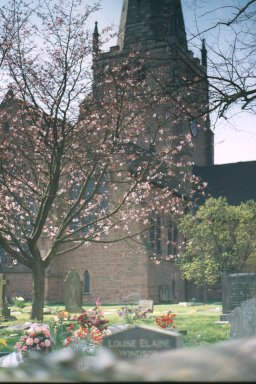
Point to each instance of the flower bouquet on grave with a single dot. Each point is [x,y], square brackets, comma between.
[37,338]
[87,331]
[85,339]
[166,321]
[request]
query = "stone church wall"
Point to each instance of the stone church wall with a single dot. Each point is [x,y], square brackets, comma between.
[19,284]
[166,284]
[118,274]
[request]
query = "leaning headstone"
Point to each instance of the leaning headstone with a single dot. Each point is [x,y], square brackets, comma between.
[236,288]
[142,341]
[146,304]
[4,310]
[73,292]
[243,320]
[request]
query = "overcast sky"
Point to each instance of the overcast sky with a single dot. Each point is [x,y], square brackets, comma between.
[234,140]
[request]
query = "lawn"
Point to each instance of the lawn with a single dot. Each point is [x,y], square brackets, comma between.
[200,322]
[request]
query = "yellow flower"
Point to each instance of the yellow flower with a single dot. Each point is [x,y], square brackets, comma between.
[62,314]
[3,342]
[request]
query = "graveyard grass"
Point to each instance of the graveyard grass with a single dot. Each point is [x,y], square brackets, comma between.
[200,322]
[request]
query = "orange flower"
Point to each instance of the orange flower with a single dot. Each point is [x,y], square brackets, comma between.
[96,335]
[165,321]
[81,333]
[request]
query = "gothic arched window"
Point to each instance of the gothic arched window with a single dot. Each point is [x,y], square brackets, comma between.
[155,235]
[172,238]
[86,282]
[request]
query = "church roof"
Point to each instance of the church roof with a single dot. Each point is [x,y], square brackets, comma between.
[235,181]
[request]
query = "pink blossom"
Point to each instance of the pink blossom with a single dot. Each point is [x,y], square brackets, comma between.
[47,343]
[42,344]
[98,303]
[29,341]
[36,340]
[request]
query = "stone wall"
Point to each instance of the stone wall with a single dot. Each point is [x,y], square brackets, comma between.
[54,287]
[231,361]
[117,273]
[19,284]
[165,283]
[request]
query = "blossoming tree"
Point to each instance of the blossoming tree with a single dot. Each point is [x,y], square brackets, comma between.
[71,166]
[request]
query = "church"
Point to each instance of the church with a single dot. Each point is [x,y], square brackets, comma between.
[121,273]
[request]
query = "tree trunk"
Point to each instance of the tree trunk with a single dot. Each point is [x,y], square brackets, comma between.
[38,273]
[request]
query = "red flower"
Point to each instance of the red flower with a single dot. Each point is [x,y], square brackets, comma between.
[165,321]
[71,327]
[67,341]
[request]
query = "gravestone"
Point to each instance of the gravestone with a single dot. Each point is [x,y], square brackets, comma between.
[243,320]
[4,310]
[236,288]
[73,292]
[147,304]
[142,341]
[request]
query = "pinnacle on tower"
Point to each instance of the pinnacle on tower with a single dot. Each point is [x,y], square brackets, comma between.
[95,39]
[146,22]
[204,54]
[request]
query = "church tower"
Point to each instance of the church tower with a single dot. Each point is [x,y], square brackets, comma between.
[149,22]
[156,30]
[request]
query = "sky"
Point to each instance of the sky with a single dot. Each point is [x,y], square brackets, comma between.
[235,140]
